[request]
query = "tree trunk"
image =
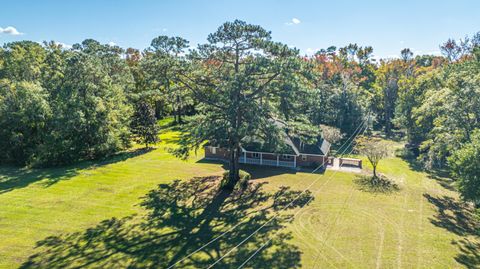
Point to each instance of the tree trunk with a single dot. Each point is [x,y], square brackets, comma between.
[179,109]
[233,173]
[374,171]
[388,126]
[179,113]
[158,109]
[174,111]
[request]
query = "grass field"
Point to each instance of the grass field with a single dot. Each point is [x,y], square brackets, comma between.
[113,214]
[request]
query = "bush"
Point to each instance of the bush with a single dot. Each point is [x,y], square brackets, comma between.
[243,181]
[405,153]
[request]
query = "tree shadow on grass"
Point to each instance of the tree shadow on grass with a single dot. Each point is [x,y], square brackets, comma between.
[12,178]
[181,218]
[459,218]
[439,175]
[380,184]
[469,252]
[454,216]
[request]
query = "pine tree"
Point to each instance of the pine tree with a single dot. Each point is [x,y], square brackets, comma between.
[144,125]
[237,78]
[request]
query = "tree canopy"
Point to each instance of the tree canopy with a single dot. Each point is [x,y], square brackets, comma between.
[238,78]
[61,105]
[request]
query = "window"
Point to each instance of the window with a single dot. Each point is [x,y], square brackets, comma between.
[214,150]
[304,157]
[287,157]
[256,155]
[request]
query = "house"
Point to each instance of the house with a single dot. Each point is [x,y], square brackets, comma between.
[294,154]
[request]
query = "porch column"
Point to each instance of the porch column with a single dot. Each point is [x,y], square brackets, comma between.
[244,156]
[294,161]
[261,158]
[278,163]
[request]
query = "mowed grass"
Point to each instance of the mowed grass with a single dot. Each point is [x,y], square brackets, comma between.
[421,226]
[70,199]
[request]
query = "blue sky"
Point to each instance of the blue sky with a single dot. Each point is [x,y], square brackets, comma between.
[386,25]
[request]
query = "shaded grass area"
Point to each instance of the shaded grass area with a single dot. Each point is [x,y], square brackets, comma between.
[12,177]
[379,184]
[32,208]
[133,213]
[461,219]
[182,217]
[442,176]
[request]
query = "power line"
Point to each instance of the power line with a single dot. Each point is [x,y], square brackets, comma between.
[248,237]
[241,222]
[269,240]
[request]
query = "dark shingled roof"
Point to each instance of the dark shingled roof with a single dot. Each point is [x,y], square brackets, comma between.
[308,148]
[293,145]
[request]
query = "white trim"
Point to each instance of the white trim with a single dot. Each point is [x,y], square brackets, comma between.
[271,153]
[320,155]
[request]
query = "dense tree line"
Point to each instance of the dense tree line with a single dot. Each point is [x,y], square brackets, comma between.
[61,105]
[58,106]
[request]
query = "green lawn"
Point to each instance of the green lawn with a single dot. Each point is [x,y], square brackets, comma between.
[99,215]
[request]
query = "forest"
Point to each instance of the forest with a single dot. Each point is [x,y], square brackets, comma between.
[62,105]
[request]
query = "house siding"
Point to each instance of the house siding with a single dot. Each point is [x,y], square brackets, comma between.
[311,160]
[216,153]
[220,153]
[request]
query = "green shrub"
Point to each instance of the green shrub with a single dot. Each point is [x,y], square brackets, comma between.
[405,153]
[243,181]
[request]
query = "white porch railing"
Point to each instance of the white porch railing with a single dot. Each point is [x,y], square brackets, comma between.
[267,162]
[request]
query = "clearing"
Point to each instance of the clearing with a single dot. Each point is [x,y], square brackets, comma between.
[99,215]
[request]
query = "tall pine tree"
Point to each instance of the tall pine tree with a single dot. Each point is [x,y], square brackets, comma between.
[144,124]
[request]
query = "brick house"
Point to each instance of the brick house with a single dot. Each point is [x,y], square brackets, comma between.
[295,155]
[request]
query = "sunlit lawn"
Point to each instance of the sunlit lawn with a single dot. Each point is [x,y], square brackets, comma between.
[342,227]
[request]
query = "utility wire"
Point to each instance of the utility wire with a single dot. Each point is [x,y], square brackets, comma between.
[269,240]
[273,218]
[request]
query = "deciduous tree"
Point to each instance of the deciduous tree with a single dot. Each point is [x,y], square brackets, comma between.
[465,167]
[372,148]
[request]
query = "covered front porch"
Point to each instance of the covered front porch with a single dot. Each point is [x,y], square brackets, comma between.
[269,159]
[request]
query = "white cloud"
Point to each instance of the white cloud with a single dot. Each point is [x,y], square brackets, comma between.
[164,29]
[311,51]
[111,43]
[65,46]
[10,30]
[293,21]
